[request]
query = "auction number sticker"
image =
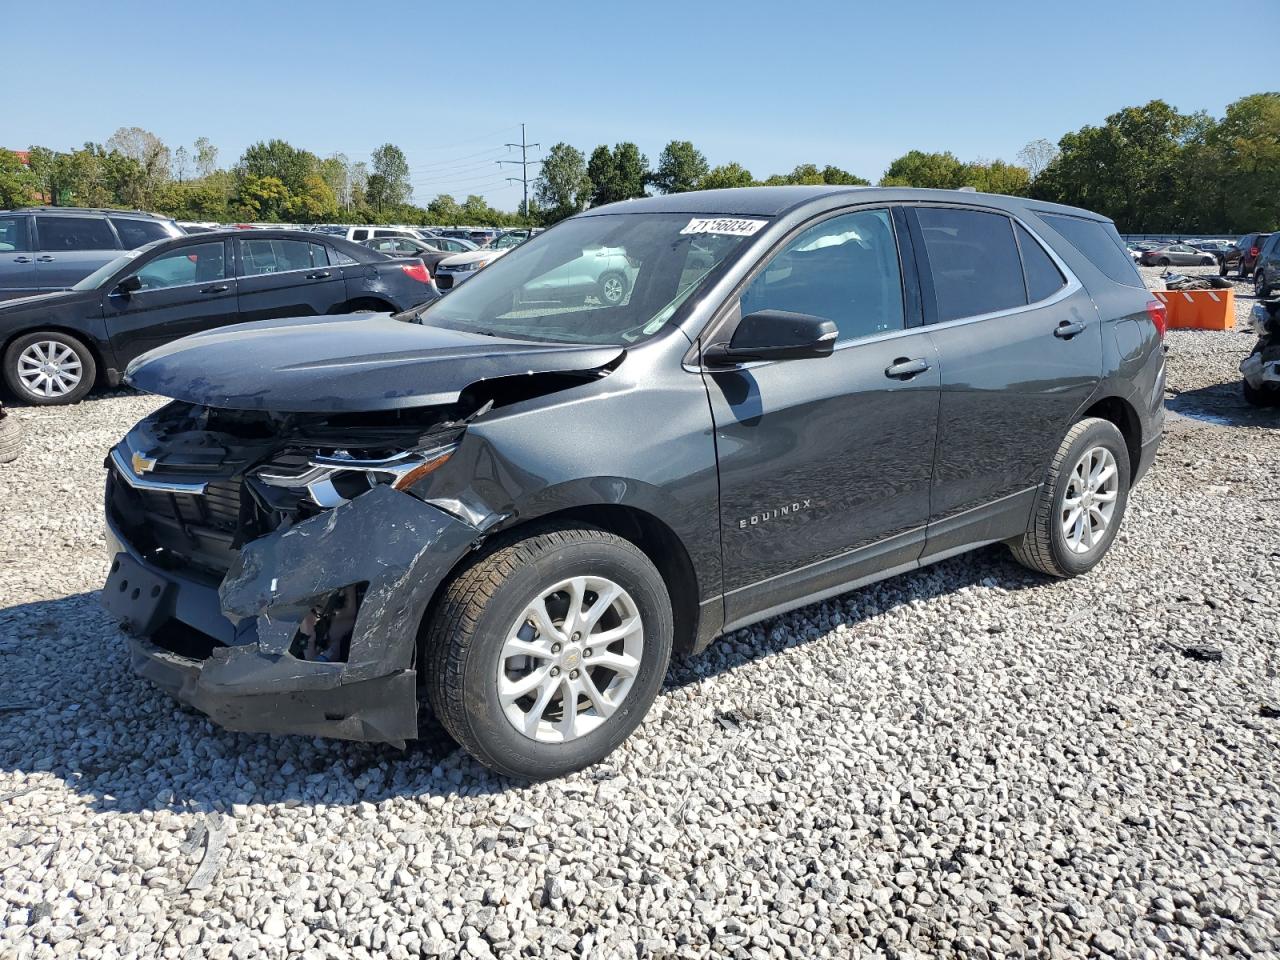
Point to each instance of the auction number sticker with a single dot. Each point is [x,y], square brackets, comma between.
[725,226]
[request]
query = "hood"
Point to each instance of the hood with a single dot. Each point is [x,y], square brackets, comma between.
[455,259]
[343,364]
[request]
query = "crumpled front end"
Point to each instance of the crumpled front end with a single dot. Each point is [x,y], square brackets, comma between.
[273,608]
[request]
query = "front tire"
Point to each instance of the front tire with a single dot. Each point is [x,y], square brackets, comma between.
[10,437]
[1263,397]
[1261,289]
[49,368]
[561,615]
[1206,262]
[1081,502]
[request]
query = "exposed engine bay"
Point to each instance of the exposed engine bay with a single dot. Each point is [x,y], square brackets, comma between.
[1261,369]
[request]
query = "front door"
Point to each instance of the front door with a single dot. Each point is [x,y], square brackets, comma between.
[825,463]
[184,290]
[287,278]
[1020,350]
[17,259]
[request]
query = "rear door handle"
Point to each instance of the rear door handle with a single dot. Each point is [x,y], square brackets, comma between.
[904,368]
[1068,329]
[318,275]
[21,259]
[216,288]
[45,259]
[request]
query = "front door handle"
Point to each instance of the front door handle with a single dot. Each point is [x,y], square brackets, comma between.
[21,259]
[45,259]
[904,368]
[216,288]
[1068,329]
[318,275]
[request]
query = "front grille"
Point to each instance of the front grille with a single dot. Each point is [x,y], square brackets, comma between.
[218,508]
[444,281]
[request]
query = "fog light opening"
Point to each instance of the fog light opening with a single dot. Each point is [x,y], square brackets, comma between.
[324,634]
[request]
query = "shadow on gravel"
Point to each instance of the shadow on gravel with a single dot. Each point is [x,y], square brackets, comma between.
[70,707]
[1222,405]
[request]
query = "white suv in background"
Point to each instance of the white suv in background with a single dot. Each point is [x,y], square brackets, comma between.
[361,234]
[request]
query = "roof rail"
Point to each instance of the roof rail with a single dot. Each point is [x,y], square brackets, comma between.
[107,210]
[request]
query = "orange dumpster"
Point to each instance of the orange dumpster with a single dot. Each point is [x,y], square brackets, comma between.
[1199,309]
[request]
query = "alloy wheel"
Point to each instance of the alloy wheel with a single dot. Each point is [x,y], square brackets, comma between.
[570,659]
[1090,500]
[612,289]
[48,368]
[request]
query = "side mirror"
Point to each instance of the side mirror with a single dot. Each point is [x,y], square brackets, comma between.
[130,284]
[775,335]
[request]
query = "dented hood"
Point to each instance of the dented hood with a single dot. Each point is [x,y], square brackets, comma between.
[343,363]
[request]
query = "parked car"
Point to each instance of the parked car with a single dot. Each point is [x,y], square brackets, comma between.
[603,273]
[1180,254]
[1266,268]
[10,436]
[1243,253]
[1212,246]
[517,515]
[453,270]
[53,248]
[55,346]
[430,251]
[506,241]
[360,234]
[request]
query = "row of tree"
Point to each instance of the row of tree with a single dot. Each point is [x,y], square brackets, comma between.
[1150,168]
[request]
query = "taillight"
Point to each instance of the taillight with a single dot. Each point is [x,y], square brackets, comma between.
[1159,316]
[1253,251]
[418,271]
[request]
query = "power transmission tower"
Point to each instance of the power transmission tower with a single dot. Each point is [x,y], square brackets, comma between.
[525,163]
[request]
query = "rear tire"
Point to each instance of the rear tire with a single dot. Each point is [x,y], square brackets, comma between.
[1261,289]
[1222,268]
[485,613]
[70,367]
[10,438]
[1163,262]
[1207,262]
[611,288]
[1049,546]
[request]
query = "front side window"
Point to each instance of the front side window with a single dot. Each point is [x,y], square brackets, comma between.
[973,260]
[192,263]
[75,233]
[605,279]
[844,269]
[280,256]
[13,235]
[135,233]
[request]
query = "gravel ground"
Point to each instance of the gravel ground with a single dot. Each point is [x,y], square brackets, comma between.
[965,761]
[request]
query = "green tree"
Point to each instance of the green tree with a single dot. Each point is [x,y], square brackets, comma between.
[563,187]
[263,198]
[916,168]
[315,203]
[149,168]
[617,174]
[206,157]
[279,160]
[809,174]
[681,167]
[444,210]
[18,185]
[389,184]
[836,176]
[996,176]
[1247,144]
[727,175]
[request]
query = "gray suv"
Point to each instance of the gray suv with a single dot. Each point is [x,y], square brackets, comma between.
[54,248]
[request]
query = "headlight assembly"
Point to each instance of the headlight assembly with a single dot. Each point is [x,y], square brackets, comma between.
[331,479]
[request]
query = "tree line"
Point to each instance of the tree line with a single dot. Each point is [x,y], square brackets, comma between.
[1150,168]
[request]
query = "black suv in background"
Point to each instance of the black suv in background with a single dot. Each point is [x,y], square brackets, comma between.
[1243,253]
[53,347]
[1266,268]
[54,248]
[515,503]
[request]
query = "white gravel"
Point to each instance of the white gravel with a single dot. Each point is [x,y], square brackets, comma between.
[965,761]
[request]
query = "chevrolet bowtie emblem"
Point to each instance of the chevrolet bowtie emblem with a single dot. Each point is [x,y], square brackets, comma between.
[142,463]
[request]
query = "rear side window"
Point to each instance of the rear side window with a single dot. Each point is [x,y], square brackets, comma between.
[1100,243]
[359,235]
[1044,279]
[844,269]
[135,233]
[974,262]
[13,234]
[281,256]
[75,233]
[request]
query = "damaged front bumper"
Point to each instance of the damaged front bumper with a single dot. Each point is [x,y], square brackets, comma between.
[252,672]
[1262,369]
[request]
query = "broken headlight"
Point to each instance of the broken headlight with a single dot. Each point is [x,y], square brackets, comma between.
[333,478]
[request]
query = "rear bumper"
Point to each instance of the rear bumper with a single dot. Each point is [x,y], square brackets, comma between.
[247,673]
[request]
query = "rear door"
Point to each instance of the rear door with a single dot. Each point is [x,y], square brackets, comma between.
[287,278]
[17,259]
[825,463]
[185,289]
[68,249]
[1020,350]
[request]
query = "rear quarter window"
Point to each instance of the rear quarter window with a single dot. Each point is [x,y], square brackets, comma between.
[136,233]
[1100,243]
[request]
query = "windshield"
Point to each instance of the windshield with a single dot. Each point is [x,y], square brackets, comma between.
[96,279]
[609,279]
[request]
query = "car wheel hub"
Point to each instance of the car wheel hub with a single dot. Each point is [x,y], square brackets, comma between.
[49,369]
[570,659]
[1090,501]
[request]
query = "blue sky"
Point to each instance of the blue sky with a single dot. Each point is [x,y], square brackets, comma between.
[769,85]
